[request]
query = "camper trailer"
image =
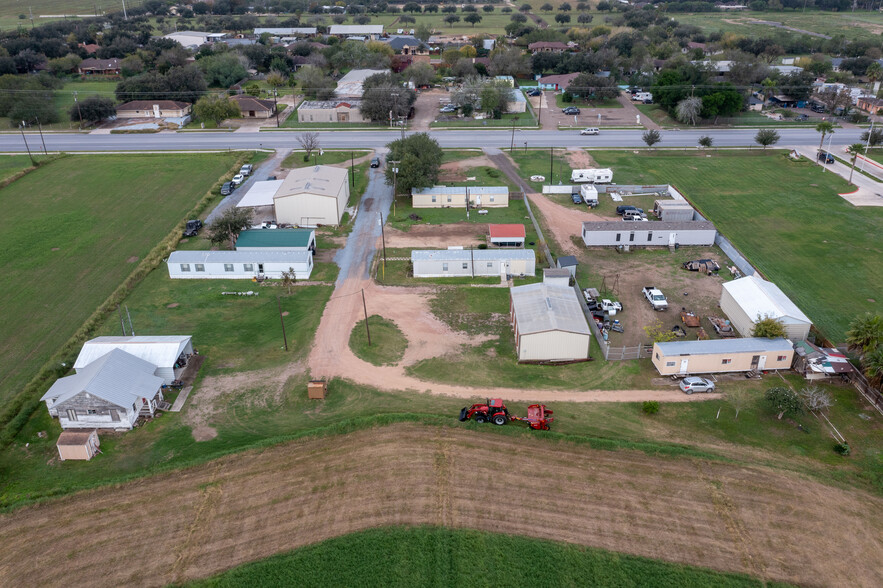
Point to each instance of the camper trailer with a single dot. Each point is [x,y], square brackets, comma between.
[589,195]
[592,176]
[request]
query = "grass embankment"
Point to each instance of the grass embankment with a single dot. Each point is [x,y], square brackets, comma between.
[387,345]
[787,218]
[74,229]
[296,158]
[424,556]
[542,162]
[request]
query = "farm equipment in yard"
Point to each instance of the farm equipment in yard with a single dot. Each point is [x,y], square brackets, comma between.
[494,411]
[689,318]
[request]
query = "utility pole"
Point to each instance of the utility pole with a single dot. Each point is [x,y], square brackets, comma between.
[512,145]
[352,171]
[22,129]
[131,328]
[395,180]
[276,106]
[77,102]
[125,15]
[365,307]
[40,127]
[282,320]
[472,259]
[122,323]
[550,165]
[383,242]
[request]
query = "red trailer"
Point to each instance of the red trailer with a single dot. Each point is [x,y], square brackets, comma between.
[538,417]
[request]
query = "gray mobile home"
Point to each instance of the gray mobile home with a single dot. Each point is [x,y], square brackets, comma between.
[648,234]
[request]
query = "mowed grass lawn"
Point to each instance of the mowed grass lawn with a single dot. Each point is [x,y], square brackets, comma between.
[435,556]
[73,230]
[12,164]
[787,218]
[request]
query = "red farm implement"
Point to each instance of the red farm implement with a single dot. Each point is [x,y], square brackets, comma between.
[494,411]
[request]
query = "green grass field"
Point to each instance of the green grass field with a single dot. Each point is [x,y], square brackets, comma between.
[387,344]
[541,162]
[433,556]
[74,229]
[787,218]
[296,159]
[12,164]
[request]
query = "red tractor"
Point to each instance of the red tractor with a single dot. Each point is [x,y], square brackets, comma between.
[538,416]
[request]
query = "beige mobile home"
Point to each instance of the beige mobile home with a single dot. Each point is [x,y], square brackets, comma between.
[722,355]
[549,323]
[455,197]
[312,196]
[444,263]
[747,299]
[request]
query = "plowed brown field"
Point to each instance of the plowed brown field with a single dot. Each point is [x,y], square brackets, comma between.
[245,507]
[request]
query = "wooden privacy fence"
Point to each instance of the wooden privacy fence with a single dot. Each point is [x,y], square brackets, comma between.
[864,387]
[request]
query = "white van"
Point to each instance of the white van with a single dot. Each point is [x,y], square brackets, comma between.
[590,131]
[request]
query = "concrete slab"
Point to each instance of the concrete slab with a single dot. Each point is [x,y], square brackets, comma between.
[181,399]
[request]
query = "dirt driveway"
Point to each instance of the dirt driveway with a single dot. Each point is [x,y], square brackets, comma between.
[426,108]
[437,236]
[200,521]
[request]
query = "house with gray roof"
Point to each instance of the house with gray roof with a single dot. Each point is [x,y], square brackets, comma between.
[371,32]
[111,392]
[443,263]
[239,265]
[718,356]
[549,323]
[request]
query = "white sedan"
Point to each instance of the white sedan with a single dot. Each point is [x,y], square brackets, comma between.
[537,178]
[238,179]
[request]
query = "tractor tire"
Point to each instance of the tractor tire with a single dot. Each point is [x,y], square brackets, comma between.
[480,418]
[500,419]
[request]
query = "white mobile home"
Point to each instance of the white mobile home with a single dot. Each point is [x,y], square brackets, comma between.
[549,323]
[455,197]
[751,298]
[166,352]
[716,356]
[239,265]
[648,234]
[592,175]
[442,263]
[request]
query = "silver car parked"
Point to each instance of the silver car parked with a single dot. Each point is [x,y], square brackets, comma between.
[696,384]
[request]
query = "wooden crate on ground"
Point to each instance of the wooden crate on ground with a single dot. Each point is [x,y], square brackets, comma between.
[316,389]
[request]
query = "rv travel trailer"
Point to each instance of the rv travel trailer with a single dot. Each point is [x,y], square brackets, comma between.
[593,176]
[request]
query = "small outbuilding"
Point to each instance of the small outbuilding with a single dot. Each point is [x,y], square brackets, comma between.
[277,240]
[648,234]
[443,263]
[251,107]
[715,356]
[81,445]
[673,210]
[569,263]
[331,111]
[312,196]
[556,276]
[456,196]
[549,323]
[749,299]
[239,265]
[506,235]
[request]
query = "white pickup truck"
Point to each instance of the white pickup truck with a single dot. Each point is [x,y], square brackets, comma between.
[655,297]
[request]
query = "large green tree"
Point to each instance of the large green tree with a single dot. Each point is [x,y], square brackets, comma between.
[592,87]
[93,109]
[315,84]
[222,70]
[769,327]
[227,226]
[385,98]
[419,157]
[215,108]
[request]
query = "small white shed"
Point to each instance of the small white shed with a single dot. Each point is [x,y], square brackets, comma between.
[751,298]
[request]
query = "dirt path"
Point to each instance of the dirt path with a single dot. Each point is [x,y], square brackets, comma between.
[562,222]
[439,236]
[248,506]
[580,159]
[631,110]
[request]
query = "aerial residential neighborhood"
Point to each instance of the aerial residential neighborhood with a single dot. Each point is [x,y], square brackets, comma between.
[431,293]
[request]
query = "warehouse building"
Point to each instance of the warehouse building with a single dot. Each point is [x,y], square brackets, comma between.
[549,323]
[442,263]
[648,234]
[312,196]
[749,299]
[715,356]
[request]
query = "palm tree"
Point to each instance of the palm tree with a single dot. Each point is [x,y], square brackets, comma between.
[855,149]
[873,364]
[865,332]
[825,127]
[769,88]
[874,72]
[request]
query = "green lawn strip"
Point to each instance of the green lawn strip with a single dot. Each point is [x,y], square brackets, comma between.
[324,272]
[14,165]
[451,155]
[519,121]
[537,162]
[101,216]
[658,115]
[296,158]
[875,153]
[437,556]
[786,217]
[387,343]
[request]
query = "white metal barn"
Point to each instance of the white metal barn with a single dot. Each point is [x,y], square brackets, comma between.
[747,299]
[648,234]
[163,351]
[549,323]
[312,196]
[443,263]
[239,265]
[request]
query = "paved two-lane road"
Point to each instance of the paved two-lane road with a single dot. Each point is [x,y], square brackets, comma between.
[194,141]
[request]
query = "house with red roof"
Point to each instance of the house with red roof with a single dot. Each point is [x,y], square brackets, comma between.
[506,235]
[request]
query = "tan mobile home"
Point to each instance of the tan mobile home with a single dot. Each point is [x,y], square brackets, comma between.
[455,197]
[722,355]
